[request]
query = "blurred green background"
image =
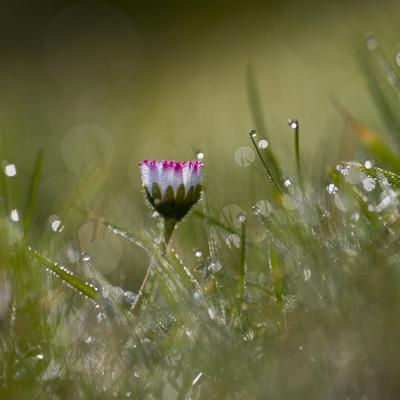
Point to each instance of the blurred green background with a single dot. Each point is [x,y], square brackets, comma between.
[109,83]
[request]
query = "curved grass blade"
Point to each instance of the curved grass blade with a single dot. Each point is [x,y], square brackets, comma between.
[213,221]
[66,276]
[33,190]
[255,106]
[381,151]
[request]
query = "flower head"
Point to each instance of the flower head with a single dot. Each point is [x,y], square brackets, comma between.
[172,187]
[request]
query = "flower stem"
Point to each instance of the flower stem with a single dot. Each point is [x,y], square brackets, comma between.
[169,225]
[168,228]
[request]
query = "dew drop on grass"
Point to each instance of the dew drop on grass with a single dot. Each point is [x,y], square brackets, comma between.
[331,188]
[293,124]
[368,164]
[263,144]
[253,133]
[197,378]
[196,296]
[55,223]
[287,182]
[369,184]
[14,215]
[85,257]
[129,297]
[230,215]
[198,254]
[10,170]
[199,155]
[233,240]
[88,339]
[215,266]
[244,156]
[307,274]
[211,313]
[241,216]
[249,336]
[355,217]
[262,207]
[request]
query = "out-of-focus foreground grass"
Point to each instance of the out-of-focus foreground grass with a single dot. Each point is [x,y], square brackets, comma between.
[269,293]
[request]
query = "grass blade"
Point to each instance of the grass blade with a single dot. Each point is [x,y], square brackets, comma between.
[33,190]
[66,276]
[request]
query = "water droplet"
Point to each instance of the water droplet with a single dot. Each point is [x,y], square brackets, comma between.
[307,274]
[342,169]
[249,336]
[230,215]
[14,215]
[129,297]
[198,254]
[253,133]
[211,313]
[368,164]
[244,156]
[39,356]
[55,223]
[386,201]
[241,216]
[197,378]
[197,296]
[155,214]
[85,257]
[262,207]
[287,182]
[256,210]
[10,170]
[293,123]
[369,183]
[128,394]
[355,217]
[215,266]
[89,339]
[200,155]
[372,42]
[331,188]
[263,144]
[233,240]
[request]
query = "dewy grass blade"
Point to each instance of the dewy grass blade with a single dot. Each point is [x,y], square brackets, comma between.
[252,134]
[66,276]
[375,172]
[242,266]
[294,124]
[33,190]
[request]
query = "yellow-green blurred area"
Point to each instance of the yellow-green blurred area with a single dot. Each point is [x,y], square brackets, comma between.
[102,85]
